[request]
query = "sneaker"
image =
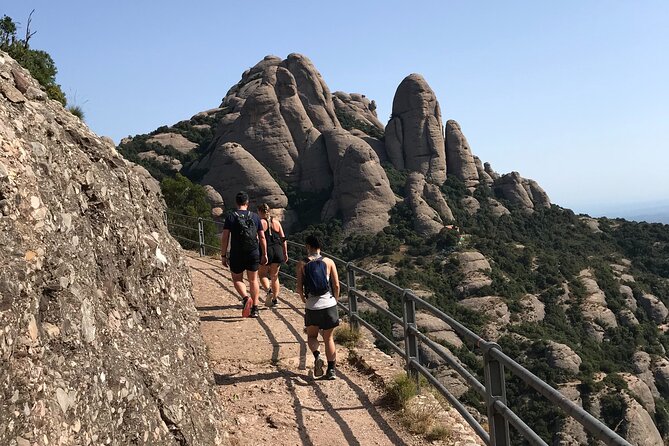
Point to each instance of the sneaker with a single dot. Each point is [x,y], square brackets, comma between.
[318,367]
[275,302]
[268,299]
[330,375]
[254,312]
[248,303]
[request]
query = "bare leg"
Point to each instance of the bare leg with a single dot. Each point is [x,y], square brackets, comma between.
[330,349]
[254,285]
[240,286]
[264,280]
[274,275]
[312,337]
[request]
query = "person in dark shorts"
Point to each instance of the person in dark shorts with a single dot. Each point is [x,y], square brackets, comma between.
[248,250]
[277,253]
[318,286]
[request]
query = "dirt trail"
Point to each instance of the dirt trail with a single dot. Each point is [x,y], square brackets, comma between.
[264,372]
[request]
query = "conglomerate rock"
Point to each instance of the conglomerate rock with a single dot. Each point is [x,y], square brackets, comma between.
[231,166]
[99,338]
[415,135]
[459,157]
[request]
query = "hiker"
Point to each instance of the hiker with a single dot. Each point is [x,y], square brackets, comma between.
[248,250]
[318,286]
[277,253]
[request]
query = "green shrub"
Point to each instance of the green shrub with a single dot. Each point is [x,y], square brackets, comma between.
[400,391]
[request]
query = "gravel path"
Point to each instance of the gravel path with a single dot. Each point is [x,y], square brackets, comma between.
[265,375]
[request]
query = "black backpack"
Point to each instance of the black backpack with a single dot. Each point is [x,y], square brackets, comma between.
[246,231]
[316,277]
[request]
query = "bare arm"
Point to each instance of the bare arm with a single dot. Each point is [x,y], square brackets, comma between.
[225,237]
[285,242]
[300,285]
[334,279]
[263,247]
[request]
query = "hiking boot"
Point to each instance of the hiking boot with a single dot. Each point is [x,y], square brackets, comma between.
[248,303]
[268,299]
[318,367]
[254,311]
[330,375]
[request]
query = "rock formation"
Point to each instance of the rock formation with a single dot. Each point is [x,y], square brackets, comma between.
[459,157]
[654,307]
[177,141]
[521,192]
[427,220]
[594,307]
[475,269]
[494,308]
[361,192]
[100,341]
[230,166]
[563,357]
[357,107]
[415,135]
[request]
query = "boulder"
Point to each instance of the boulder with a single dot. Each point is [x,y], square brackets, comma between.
[171,163]
[176,140]
[563,357]
[427,221]
[100,340]
[510,187]
[628,295]
[627,318]
[313,91]
[362,192]
[374,297]
[484,177]
[414,134]
[471,205]
[494,308]
[571,433]
[640,391]
[661,373]
[653,307]
[213,197]
[533,309]
[475,270]
[359,108]
[640,428]
[489,170]
[231,167]
[435,199]
[592,224]
[497,209]
[594,307]
[459,157]
[437,329]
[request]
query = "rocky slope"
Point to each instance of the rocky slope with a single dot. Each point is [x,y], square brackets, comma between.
[99,338]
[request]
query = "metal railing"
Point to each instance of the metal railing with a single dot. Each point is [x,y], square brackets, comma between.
[495,361]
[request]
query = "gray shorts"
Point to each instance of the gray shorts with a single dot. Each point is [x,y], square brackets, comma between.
[324,319]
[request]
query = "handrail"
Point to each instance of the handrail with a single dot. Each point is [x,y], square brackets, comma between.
[500,415]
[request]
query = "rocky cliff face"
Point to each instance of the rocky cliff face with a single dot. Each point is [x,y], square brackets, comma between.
[415,134]
[99,339]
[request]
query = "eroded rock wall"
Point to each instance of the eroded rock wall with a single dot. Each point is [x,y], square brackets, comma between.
[99,338]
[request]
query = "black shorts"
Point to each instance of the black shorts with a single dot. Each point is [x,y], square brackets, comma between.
[324,319]
[240,262]
[275,254]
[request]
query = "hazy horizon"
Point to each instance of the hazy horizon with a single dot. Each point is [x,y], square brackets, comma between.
[573,95]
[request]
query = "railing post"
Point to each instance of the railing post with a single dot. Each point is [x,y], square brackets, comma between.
[352,298]
[495,388]
[200,235]
[410,339]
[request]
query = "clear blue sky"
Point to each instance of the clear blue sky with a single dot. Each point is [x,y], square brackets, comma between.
[574,94]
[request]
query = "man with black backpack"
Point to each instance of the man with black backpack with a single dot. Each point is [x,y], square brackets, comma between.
[318,286]
[248,249]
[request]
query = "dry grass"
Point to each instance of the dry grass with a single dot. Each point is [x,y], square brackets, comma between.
[347,335]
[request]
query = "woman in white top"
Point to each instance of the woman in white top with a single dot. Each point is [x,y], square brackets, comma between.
[318,286]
